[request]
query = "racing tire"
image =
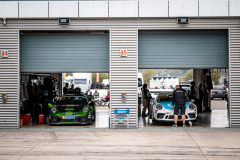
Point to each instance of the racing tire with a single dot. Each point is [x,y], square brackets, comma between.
[108,105]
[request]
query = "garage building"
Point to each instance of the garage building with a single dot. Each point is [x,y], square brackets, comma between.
[103,28]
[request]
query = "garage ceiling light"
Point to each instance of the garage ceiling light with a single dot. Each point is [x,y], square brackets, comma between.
[63,21]
[182,20]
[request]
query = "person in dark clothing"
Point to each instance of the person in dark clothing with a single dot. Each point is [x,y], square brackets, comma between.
[183,89]
[195,92]
[146,99]
[90,96]
[192,94]
[65,89]
[179,101]
[42,102]
[86,94]
[71,90]
[199,106]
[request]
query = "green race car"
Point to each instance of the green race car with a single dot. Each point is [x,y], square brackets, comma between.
[72,109]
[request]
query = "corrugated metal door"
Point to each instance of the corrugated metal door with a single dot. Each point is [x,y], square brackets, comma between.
[64,53]
[183,49]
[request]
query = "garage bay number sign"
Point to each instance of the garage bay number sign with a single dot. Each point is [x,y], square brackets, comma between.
[4,53]
[123,53]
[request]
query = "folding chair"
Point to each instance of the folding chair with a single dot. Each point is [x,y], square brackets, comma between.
[122,116]
[104,102]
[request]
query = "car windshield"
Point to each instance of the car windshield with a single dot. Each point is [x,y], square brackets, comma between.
[74,100]
[168,98]
[219,88]
[165,98]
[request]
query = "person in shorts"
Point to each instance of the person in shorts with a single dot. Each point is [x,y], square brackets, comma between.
[179,102]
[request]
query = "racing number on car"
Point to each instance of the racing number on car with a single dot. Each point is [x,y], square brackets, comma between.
[123,52]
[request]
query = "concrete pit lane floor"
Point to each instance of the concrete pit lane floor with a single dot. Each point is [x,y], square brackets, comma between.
[218,118]
[119,144]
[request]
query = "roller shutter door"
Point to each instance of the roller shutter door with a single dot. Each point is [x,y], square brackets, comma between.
[183,49]
[64,53]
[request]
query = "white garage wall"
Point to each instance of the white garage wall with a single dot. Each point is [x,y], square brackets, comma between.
[123,35]
[9,72]
[8,9]
[183,8]
[124,72]
[213,8]
[123,8]
[118,9]
[153,8]
[62,9]
[93,8]
[30,9]
[234,7]
[234,75]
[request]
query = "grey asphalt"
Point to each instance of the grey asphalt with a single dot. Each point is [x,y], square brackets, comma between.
[150,143]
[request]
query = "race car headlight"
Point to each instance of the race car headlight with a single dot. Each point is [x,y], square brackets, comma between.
[53,110]
[191,106]
[159,106]
[85,109]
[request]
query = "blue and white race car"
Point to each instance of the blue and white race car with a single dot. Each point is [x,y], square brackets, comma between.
[160,107]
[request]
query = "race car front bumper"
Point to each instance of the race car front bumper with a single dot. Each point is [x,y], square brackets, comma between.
[169,117]
[57,120]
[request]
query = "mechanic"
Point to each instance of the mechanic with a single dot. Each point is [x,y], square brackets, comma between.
[96,94]
[90,94]
[42,103]
[179,101]
[108,96]
[65,89]
[71,90]
[146,99]
[86,94]
[192,95]
[199,106]
[197,92]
